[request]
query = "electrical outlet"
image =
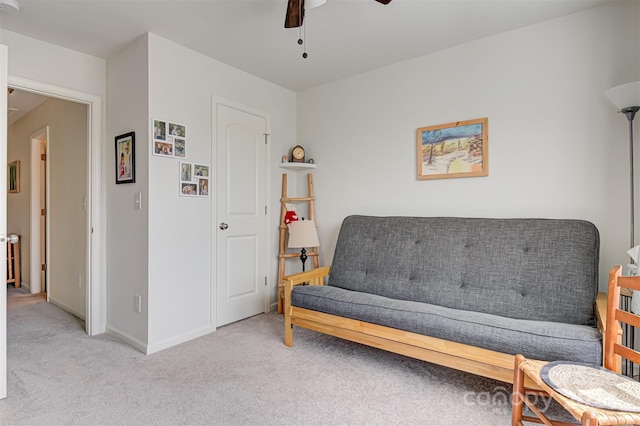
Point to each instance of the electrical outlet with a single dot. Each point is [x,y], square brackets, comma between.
[137,303]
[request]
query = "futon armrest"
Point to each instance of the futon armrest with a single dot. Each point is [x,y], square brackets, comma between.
[601,311]
[312,277]
[601,318]
[601,314]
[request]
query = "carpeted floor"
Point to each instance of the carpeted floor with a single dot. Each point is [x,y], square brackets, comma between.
[240,375]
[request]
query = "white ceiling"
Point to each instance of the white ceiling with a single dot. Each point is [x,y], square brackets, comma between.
[20,103]
[343,37]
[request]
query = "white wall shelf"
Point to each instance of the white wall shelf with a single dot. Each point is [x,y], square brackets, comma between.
[298,166]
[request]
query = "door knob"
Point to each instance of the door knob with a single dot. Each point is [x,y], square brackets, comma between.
[13,238]
[223,226]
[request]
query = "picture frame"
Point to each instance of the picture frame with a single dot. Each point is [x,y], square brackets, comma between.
[13,181]
[194,180]
[201,170]
[125,161]
[453,150]
[169,139]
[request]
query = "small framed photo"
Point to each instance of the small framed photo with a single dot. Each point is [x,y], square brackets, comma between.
[452,150]
[163,148]
[179,148]
[177,130]
[14,177]
[200,170]
[160,130]
[126,158]
[203,187]
[188,189]
[186,172]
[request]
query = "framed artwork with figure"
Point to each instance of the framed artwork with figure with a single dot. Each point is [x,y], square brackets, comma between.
[14,177]
[126,158]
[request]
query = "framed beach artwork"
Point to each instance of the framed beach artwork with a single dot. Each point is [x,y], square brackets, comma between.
[452,150]
[126,158]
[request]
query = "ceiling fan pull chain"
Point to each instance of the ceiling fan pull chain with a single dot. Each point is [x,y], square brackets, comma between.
[304,30]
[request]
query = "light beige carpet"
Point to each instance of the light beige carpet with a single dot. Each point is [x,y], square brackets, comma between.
[240,375]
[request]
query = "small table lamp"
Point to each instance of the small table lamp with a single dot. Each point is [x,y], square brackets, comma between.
[303,233]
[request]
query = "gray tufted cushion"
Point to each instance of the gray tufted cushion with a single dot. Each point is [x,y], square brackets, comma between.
[543,340]
[534,269]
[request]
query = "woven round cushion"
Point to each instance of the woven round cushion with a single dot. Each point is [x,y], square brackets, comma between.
[592,385]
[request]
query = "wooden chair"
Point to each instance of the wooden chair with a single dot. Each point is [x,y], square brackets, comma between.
[614,351]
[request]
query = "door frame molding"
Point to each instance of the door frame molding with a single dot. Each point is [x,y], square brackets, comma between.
[4,62]
[96,317]
[36,188]
[215,101]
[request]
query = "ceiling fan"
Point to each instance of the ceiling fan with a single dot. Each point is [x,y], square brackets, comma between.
[295,13]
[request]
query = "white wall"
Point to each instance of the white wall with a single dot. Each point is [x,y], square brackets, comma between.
[18,204]
[47,63]
[181,268]
[557,148]
[127,239]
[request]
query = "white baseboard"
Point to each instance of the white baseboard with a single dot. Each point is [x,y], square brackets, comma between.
[69,309]
[130,340]
[165,344]
[174,341]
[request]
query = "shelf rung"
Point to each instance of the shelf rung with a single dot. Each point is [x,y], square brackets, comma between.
[291,255]
[297,199]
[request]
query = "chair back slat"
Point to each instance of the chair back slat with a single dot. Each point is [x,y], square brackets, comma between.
[614,350]
[628,318]
[627,353]
[632,283]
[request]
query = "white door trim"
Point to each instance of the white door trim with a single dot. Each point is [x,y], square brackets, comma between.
[215,101]
[4,62]
[35,285]
[96,317]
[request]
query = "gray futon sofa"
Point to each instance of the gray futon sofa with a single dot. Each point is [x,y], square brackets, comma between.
[468,293]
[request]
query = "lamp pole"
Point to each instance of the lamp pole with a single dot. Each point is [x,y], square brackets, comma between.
[630,113]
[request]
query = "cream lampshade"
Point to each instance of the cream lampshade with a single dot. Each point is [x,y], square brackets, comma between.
[303,233]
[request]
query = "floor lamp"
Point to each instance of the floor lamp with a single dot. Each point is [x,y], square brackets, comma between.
[627,98]
[303,233]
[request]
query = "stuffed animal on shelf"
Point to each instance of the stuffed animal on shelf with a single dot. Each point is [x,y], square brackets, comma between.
[290,215]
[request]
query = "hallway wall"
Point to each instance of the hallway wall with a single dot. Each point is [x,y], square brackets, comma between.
[67,164]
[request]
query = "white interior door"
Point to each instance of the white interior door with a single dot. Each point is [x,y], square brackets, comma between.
[240,213]
[4,63]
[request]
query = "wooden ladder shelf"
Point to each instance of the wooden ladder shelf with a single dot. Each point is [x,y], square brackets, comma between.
[283,256]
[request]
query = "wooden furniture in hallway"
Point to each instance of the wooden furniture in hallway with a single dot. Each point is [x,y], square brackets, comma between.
[13,263]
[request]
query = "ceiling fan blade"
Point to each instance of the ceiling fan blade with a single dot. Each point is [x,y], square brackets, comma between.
[384,1]
[295,14]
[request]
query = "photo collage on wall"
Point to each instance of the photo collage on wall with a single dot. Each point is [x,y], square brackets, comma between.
[169,139]
[194,180]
